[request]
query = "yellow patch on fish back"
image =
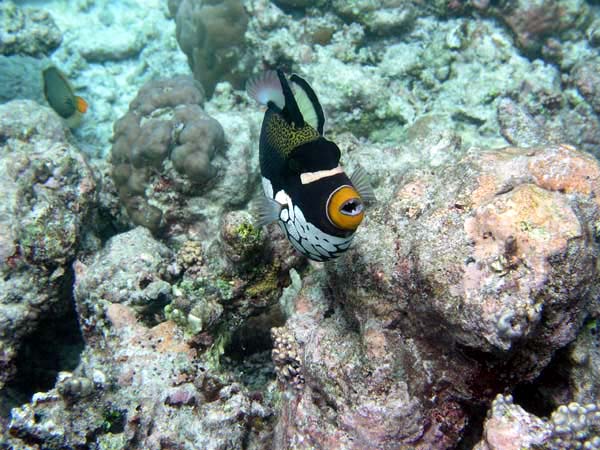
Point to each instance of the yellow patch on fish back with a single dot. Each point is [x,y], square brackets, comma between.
[285,138]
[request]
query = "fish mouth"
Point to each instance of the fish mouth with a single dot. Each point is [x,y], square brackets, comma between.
[345,208]
[352,207]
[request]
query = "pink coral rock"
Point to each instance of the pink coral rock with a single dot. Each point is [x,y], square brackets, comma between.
[461,284]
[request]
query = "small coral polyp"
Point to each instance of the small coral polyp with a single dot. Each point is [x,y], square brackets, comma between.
[165,139]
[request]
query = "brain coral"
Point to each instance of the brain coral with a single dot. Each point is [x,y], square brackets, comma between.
[165,135]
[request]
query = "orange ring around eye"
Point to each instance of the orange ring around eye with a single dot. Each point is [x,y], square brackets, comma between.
[345,208]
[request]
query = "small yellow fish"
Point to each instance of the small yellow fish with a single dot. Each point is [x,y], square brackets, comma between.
[60,97]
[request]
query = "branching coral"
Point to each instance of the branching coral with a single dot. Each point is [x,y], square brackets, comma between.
[286,359]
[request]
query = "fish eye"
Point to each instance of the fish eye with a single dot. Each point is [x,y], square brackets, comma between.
[345,208]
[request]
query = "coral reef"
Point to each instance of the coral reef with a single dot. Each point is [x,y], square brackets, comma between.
[481,280]
[27,31]
[178,395]
[388,17]
[108,51]
[48,191]
[586,79]
[539,23]
[178,169]
[510,427]
[120,293]
[472,286]
[211,34]
[238,276]
[537,113]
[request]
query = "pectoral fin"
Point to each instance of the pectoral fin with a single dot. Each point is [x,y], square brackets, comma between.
[361,182]
[266,211]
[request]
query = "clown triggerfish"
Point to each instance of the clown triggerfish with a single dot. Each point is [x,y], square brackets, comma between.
[306,190]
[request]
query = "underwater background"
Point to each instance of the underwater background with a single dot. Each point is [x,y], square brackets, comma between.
[142,308]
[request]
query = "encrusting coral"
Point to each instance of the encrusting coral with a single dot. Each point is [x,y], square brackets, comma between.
[481,270]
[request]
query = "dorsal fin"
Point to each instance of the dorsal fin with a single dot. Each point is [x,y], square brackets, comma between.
[290,111]
[309,105]
[265,88]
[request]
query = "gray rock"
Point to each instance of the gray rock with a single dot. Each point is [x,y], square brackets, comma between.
[47,191]
[518,126]
[586,77]
[110,44]
[21,78]
[130,270]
